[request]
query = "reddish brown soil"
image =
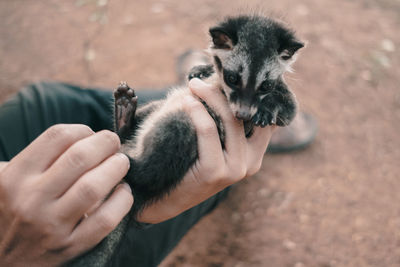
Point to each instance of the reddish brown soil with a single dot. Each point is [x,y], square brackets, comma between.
[335,204]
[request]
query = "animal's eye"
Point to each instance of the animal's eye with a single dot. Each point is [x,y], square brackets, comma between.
[286,55]
[267,85]
[231,78]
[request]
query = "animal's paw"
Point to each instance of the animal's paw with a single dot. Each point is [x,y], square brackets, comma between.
[125,105]
[264,118]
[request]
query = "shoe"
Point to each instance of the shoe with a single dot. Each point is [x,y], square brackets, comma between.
[296,136]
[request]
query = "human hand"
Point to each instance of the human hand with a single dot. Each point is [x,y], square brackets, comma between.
[216,168]
[52,205]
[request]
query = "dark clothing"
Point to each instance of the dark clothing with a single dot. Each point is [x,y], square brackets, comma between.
[41,105]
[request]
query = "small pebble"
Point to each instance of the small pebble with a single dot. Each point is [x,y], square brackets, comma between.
[388,45]
[289,245]
[304,218]
[236,217]
[102,2]
[90,55]
[263,192]
[248,215]
[366,75]
[382,59]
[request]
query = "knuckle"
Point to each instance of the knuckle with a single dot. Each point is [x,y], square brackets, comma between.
[208,182]
[62,245]
[23,211]
[76,158]
[220,176]
[242,172]
[88,192]
[106,222]
[254,168]
[83,130]
[228,117]
[207,129]
[67,132]
[237,173]
[193,106]
[50,229]
[58,131]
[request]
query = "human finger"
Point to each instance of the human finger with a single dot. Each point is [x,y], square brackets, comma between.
[93,186]
[78,159]
[234,132]
[208,142]
[45,149]
[102,221]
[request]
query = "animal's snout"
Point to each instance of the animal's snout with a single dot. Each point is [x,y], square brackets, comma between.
[243,114]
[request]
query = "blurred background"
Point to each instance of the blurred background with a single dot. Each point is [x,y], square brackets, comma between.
[336,203]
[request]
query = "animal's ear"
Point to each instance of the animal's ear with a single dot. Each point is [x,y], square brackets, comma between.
[288,50]
[221,39]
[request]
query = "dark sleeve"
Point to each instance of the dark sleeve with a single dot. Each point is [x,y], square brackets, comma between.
[41,105]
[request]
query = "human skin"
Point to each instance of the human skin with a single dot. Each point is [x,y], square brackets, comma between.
[62,195]
[46,190]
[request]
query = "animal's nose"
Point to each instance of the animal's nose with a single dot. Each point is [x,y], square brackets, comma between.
[243,115]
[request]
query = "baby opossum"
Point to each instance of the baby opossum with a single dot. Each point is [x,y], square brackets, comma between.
[250,55]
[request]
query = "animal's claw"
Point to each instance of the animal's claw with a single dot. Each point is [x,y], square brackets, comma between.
[263,119]
[125,106]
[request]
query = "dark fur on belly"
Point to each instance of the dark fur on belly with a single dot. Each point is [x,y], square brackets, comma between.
[168,151]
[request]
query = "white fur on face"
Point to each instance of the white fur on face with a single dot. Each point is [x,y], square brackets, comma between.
[240,60]
[274,68]
[232,60]
[221,53]
[253,110]
[236,107]
[287,64]
[263,96]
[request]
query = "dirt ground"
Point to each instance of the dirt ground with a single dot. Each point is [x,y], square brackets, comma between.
[334,204]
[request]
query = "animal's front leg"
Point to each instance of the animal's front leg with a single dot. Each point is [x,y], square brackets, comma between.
[125,108]
[264,117]
[279,108]
[275,113]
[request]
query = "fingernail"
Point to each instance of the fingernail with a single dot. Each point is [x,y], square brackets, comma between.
[195,83]
[126,187]
[125,157]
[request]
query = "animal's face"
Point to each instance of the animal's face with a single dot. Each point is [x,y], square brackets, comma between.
[250,55]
